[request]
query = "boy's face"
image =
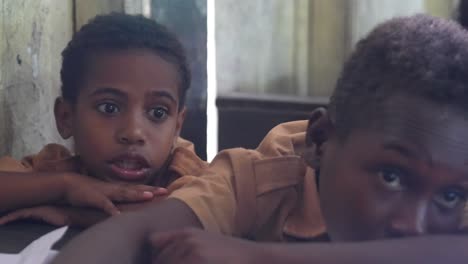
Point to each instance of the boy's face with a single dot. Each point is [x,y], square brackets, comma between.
[404,175]
[126,117]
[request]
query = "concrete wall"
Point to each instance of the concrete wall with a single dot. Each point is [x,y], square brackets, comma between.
[32,35]
[86,9]
[366,14]
[298,47]
[261,45]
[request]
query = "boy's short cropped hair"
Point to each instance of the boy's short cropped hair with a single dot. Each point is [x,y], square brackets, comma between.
[118,31]
[428,59]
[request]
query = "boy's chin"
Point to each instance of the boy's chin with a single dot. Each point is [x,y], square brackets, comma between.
[355,236]
[125,179]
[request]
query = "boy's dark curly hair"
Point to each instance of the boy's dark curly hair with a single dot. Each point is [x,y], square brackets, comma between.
[420,56]
[118,31]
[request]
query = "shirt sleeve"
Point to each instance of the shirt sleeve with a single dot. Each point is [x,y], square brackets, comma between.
[241,189]
[52,155]
[211,196]
[12,165]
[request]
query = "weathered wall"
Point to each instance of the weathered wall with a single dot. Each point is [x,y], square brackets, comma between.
[87,9]
[261,45]
[298,47]
[366,14]
[32,35]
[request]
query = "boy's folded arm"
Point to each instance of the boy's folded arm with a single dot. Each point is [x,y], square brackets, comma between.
[426,249]
[127,232]
[86,217]
[199,247]
[130,232]
[57,215]
[27,189]
[61,215]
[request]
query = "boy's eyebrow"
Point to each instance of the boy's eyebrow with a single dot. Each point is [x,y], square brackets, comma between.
[407,151]
[401,149]
[109,90]
[163,94]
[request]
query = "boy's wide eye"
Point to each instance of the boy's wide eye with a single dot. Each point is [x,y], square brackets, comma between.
[450,199]
[108,108]
[158,113]
[391,178]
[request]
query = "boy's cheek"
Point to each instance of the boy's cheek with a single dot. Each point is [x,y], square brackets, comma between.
[355,212]
[94,130]
[351,224]
[356,226]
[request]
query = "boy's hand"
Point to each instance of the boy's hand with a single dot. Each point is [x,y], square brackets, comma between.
[199,247]
[66,215]
[128,207]
[83,191]
[53,215]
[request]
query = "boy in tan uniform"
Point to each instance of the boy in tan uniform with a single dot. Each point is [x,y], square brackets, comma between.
[124,81]
[382,174]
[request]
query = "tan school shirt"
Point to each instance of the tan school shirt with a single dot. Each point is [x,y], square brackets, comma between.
[57,158]
[266,194]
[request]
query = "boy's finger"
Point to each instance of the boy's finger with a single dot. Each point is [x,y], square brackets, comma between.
[9,218]
[160,240]
[53,219]
[17,215]
[124,194]
[107,206]
[141,187]
[172,252]
[153,189]
[158,191]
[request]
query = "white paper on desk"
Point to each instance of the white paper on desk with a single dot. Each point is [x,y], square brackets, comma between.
[38,252]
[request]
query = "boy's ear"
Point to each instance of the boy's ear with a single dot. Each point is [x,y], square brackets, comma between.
[319,131]
[180,122]
[63,111]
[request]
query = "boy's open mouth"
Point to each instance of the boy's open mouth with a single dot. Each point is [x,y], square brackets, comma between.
[130,167]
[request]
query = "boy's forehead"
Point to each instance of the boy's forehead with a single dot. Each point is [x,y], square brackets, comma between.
[134,69]
[428,128]
[411,112]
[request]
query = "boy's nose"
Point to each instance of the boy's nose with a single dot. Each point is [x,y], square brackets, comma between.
[409,221]
[131,132]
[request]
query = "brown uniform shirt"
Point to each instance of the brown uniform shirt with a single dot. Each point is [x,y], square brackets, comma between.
[57,158]
[264,194]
